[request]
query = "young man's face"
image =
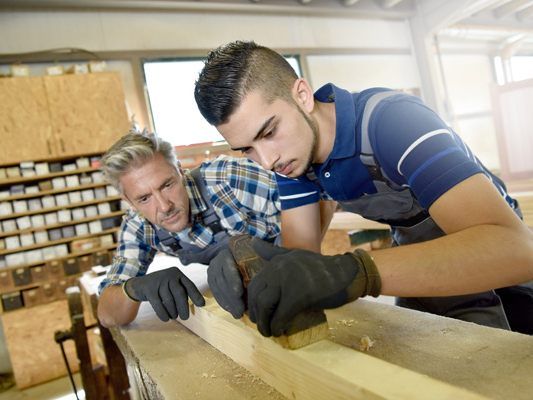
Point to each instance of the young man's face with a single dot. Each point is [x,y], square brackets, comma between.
[156,190]
[279,135]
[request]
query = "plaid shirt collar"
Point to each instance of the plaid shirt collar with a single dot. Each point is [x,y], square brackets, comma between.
[197,204]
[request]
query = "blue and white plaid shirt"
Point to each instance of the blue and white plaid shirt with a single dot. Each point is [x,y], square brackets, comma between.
[243,195]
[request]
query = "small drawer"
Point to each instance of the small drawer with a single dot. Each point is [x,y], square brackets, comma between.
[32,297]
[71,267]
[49,292]
[6,280]
[102,258]
[85,262]
[12,301]
[38,274]
[21,276]
[54,269]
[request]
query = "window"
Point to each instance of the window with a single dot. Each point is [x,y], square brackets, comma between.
[170,86]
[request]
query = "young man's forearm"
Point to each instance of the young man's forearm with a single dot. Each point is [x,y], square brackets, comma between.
[471,261]
[115,308]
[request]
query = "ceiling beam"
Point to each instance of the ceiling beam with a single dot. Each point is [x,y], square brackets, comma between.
[525,14]
[349,3]
[511,8]
[389,3]
[437,15]
[368,10]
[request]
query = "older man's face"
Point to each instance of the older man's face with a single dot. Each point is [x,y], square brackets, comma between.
[156,190]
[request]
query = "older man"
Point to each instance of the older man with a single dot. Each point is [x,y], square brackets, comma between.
[189,214]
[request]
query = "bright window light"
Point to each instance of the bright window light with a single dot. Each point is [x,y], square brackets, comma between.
[170,86]
[522,67]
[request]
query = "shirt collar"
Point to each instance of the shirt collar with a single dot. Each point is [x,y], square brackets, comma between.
[345,143]
[196,202]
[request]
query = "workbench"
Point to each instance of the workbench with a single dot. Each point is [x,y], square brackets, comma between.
[171,362]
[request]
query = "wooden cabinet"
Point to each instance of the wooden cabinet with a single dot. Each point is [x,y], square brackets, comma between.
[57,116]
[25,128]
[57,219]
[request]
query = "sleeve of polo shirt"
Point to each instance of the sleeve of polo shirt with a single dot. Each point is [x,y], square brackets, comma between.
[296,192]
[133,255]
[414,146]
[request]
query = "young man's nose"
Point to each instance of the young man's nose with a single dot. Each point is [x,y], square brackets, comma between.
[266,158]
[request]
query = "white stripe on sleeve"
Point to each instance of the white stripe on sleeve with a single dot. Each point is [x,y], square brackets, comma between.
[421,139]
[296,196]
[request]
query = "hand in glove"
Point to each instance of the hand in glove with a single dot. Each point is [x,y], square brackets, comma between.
[293,281]
[167,291]
[225,283]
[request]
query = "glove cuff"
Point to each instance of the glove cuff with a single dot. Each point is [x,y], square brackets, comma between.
[368,282]
[123,286]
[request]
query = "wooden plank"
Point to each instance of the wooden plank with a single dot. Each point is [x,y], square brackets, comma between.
[87,111]
[321,370]
[349,221]
[492,362]
[172,363]
[24,120]
[34,355]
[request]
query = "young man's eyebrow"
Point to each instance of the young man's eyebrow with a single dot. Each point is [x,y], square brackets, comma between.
[258,134]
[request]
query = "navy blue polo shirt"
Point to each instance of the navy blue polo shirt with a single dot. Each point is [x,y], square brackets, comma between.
[410,142]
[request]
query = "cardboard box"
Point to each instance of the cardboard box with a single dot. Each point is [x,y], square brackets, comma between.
[37,220]
[48,201]
[40,236]
[42,169]
[74,197]
[45,185]
[26,239]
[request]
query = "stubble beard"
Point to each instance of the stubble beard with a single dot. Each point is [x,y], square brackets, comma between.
[313,126]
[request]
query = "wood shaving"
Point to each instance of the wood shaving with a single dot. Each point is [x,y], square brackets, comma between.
[366,343]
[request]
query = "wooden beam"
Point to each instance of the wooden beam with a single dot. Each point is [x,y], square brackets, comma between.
[318,371]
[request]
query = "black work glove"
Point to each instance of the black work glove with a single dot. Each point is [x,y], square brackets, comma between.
[298,280]
[225,282]
[167,291]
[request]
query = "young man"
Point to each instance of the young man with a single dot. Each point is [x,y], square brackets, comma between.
[387,157]
[189,214]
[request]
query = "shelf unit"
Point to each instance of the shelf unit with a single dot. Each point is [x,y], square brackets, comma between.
[53,226]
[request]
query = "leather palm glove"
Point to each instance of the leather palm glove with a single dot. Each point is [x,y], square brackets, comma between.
[293,281]
[167,291]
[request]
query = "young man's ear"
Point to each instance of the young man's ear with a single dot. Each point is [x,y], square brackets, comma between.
[303,94]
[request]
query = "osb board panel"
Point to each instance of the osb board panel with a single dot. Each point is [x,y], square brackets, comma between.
[88,111]
[24,121]
[34,354]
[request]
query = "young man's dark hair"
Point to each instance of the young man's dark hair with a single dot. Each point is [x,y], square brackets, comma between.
[233,70]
